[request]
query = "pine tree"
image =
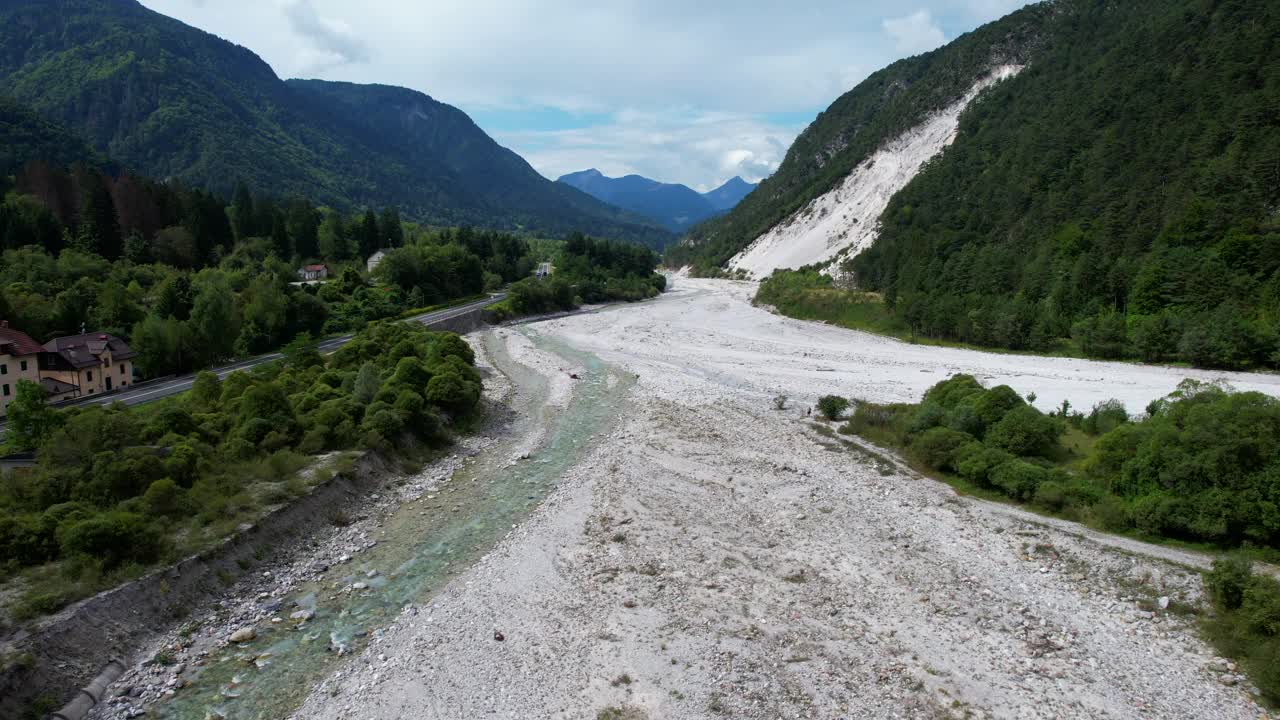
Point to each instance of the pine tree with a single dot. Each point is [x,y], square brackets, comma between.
[367,235]
[390,231]
[280,236]
[242,212]
[303,226]
[98,218]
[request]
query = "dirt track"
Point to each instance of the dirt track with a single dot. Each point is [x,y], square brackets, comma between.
[715,557]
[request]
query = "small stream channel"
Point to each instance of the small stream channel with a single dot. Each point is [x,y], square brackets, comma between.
[417,553]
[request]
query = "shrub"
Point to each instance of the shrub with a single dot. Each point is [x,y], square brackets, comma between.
[388,423]
[951,391]
[411,373]
[937,447]
[1051,495]
[975,462]
[991,406]
[1247,625]
[447,344]
[164,498]
[1105,417]
[28,539]
[1227,581]
[927,415]
[1025,431]
[832,407]
[452,392]
[115,537]
[1111,513]
[253,431]
[964,418]
[1261,606]
[40,603]
[1018,478]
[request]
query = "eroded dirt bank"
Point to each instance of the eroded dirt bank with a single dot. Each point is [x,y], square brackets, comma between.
[715,557]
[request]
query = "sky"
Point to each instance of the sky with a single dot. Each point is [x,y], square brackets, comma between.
[689,91]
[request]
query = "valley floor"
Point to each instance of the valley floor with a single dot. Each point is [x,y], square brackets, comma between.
[715,557]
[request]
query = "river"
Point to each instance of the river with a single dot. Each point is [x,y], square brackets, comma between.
[272,675]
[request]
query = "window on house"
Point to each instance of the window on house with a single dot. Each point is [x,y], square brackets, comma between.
[4,369]
[6,391]
[90,376]
[24,365]
[121,368]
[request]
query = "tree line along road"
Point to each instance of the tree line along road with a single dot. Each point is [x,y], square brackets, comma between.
[148,392]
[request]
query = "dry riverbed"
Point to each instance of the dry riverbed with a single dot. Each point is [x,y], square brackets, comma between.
[715,557]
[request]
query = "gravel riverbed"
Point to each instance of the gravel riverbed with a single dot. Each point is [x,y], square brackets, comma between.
[715,557]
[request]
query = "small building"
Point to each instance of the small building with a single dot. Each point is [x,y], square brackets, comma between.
[313,272]
[89,364]
[57,391]
[376,259]
[19,360]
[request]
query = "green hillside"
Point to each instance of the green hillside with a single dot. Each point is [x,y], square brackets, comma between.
[885,105]
[171,101]
[24,135]
[1120,193]
[1122,190]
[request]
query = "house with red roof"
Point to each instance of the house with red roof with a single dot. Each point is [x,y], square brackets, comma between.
[313,272]
[19,360]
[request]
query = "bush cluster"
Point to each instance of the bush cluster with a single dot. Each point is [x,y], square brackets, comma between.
[1203,464]
[586,271]
[116,486]
[1246,624]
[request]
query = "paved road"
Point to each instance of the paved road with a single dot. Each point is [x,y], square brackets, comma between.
[148,392]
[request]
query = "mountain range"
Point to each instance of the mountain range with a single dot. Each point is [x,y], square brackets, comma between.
[676,207]
[171,101]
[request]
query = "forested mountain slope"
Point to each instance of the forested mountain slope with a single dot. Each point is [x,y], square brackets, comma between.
[1121,190]
[24,135]
[172,101]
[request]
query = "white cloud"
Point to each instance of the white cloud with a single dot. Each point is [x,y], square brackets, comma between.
[701,150]
[915,33]
[332,41]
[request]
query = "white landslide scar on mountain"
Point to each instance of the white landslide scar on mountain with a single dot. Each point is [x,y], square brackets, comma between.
[844,221]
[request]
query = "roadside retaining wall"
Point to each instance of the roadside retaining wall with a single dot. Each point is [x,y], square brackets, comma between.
[461,324]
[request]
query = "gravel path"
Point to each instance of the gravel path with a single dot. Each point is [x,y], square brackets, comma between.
[718,558]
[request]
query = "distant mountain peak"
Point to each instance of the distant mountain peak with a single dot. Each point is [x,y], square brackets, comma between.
[728,195]
[677,207]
